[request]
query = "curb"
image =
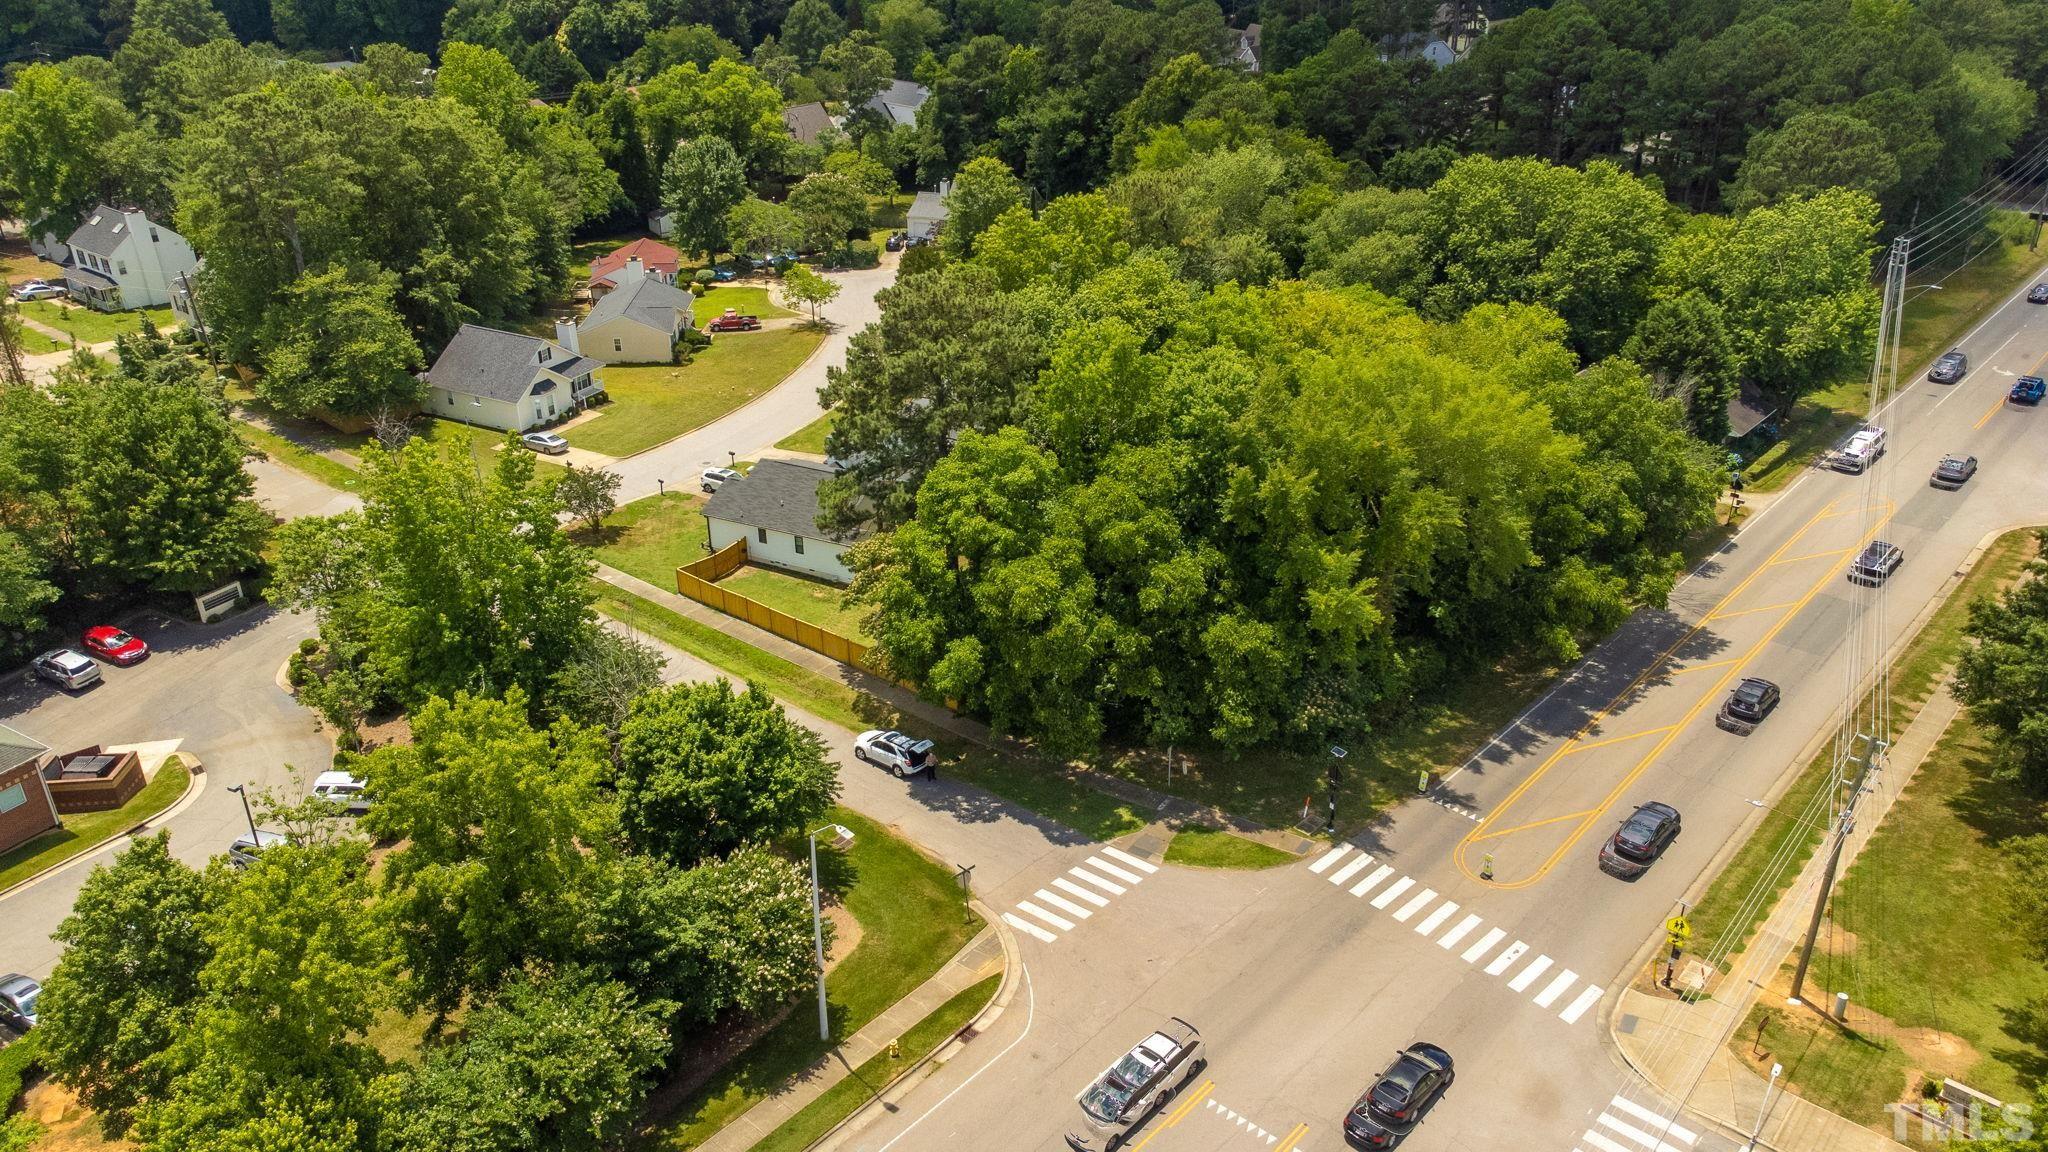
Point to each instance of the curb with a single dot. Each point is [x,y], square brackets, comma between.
[195,780]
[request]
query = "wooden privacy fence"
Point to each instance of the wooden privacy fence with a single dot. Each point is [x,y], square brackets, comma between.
[698,580]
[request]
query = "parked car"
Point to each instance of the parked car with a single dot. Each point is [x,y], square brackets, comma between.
[1953,471]
[903,755]
[732,321]
[1395,1102]
[715,478]
[725,272]
[1639,841]
[113,645]
[1129,1091]
[546,443]
[895,242]
[1876,563]
[39,290]
[1859,451]
[2027,390]
[342,789]
[249,845]
[1950,368]
[18,995]
[2038,294]
[1752,700]
[66,668]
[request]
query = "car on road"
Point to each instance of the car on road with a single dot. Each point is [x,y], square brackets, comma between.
[1129,1091]
[341,789]
[2027,390]
[1639,841]
[1953,471]
[545,443]
[39,290]
[1859,451]
[1876,563]
[114,645]
[1952,366]
[1399,1096]
[249,845]
[2038,294]
[18,995]
[1752,700]
[903,755]
[715,478]
[731,320]
[66,668]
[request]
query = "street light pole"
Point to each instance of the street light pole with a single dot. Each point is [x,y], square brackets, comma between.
[239,790]
[1764,1112]
[842,839]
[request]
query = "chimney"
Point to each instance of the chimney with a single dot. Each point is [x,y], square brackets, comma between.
[945,187]
[634,270]
[565,335]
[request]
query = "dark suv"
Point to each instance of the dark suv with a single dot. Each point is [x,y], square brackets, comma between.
[1950,368]
[1639,841]
[1876,563]
[1752,700]
[1396,1101]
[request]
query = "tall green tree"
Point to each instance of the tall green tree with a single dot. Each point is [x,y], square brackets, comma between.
[810,26]
[188,22]
[2001,677]
[829,207]
[703,181]
[335,343]
[983,190]
[1815,150]
[53,130]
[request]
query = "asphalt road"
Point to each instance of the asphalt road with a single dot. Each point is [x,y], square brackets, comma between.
[1304,980]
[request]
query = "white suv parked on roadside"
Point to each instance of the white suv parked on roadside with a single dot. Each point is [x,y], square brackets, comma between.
[898,753]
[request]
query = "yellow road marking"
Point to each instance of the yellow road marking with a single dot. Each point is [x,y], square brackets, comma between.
[1808,556]
[1531,824]
[1479,833]
[1990,412]
[1293,1137]
[1613,740]
[1753,611]
[1178,1114]
[1701,667]
[2000,402]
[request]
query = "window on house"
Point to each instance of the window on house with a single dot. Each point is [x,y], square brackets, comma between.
[122,268]
[799,545]
[618,345]
[152,234]
[763,533]
[12,798]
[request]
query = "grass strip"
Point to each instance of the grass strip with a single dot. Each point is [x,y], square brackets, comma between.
[811,437]
[1215,848]
[88,830]
[913,917]
[1913,679]
[846,1097]
[332,473]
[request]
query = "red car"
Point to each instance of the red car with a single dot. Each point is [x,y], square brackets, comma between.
[113,645]
[732,321]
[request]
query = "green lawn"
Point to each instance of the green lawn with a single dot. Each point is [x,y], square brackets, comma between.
[1913,678]
[652,537]
[655,403]
[18,263]
[332,473]
[86,831]
[814,601]
[752,299]
[1853,1073]
[1215,848]
[810,437]
[913,917]
[89,327]
[844,1098]
[34,343]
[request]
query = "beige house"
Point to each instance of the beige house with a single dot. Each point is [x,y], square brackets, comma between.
[509,381]
[637,322]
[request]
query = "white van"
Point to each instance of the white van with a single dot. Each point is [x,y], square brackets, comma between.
[1860,450]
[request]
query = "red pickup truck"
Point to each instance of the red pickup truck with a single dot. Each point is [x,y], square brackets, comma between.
[732,321]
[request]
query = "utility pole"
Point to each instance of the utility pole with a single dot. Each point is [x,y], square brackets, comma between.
[1844,823]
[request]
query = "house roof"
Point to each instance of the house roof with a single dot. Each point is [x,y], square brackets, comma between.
[930,205]
[102,232]
[806,121]
[657,257]
[900,100]
[17,749]
[499,365]
[779,495]
[648,300]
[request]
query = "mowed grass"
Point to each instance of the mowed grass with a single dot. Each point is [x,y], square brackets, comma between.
[18,262]
[913,917]
[1850,1072]
[844,1098]
[747,299]
[811,437]
[88,830]
[1215,848]
[652,537]
[34,343]
[813,601]
[655,403]
[89,327]
[1721,923]
[332,473]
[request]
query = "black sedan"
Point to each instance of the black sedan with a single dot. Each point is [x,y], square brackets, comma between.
[1395,1103]
[2038,294]
[1639,841]
[1950,368]
[1751,701]
[1953,471]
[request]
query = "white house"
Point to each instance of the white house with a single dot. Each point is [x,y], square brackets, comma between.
[637,322]
[509,381]
[900,101]
[774,508]
[928,212]
[1249,49]
[119,259]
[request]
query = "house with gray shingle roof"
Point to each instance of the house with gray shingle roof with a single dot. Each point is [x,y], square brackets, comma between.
[509,381]
[806,121]
[637,322]
[774,508]
[899,102]
[120,259]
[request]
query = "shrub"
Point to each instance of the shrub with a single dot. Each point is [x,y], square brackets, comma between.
[310,646]
[922,258]
[17,1060]
[699,287]
[863,254]
[704,276]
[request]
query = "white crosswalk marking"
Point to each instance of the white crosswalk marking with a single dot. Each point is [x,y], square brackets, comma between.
[1145,866]
[1509,955]
[1067,906]
[1655,1121]
[1416,905]
[1099,882]
[1113,870]
[1642,1138]
[1493,936]
[1073,889]
[1393,890]
[1527,976]
[1556,987]
[1606,1145]
[1465,926]
[1434,920]
[1586,999]
[1328,858]
[1349,870]
[1372,881]
[1042,914]
[1026,926]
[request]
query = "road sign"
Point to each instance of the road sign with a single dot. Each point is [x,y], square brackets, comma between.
[1337,750]
[1679,929]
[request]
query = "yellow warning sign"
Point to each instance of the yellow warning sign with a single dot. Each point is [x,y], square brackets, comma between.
[1678,928]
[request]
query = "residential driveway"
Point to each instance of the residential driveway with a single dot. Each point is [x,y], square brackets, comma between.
[213,688]
[744,433]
